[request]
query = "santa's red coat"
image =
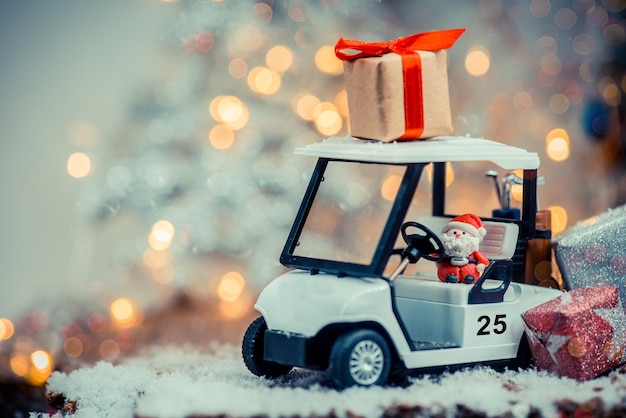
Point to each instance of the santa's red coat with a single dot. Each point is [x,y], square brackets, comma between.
[446,268]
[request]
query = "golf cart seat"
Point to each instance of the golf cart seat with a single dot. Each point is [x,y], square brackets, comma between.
[498,244]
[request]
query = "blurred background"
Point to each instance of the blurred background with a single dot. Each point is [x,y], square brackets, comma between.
[146,155]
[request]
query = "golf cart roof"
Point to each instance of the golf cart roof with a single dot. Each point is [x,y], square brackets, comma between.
[438,149]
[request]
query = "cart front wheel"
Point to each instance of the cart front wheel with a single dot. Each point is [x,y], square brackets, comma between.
[252,351]
[360,358]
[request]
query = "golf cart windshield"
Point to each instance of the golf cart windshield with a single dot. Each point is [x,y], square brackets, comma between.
[350,217]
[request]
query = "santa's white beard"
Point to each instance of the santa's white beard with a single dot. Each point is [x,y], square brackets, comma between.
[459,247]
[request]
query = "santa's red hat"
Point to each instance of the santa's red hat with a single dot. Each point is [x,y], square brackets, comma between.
[469,223]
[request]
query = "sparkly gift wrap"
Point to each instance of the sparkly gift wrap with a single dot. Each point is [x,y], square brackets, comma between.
[580,334]
[594,252]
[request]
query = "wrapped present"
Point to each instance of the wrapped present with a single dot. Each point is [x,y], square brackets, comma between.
[593,252]
[580,334]
[398,90]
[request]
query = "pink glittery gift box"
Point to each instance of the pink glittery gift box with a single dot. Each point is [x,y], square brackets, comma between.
[579,334]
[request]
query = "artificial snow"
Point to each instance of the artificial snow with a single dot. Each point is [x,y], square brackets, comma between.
[177,382]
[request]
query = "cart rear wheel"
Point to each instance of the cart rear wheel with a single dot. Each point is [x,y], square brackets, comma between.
[361,358]
[252,351]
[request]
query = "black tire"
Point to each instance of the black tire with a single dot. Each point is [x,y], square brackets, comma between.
[252,352]
[360,358]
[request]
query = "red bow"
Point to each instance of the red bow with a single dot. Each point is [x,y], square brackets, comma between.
[348,50]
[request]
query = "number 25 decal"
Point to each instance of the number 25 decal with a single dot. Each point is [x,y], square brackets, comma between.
[499,326]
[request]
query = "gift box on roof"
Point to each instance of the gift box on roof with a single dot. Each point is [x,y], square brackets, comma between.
[593,252]
[398,90]
[580,334]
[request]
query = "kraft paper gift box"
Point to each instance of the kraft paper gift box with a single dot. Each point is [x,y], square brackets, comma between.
[398,90]
[580,334]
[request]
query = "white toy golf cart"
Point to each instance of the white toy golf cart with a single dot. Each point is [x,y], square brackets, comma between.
[352,305]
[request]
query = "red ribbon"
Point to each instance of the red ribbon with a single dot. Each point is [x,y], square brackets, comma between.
[348,50]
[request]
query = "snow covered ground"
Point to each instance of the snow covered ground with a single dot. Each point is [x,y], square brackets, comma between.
[178,382]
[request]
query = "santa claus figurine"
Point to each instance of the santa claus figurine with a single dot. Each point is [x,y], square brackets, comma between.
[463,262]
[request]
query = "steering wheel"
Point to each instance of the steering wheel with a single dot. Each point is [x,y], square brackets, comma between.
[427,245]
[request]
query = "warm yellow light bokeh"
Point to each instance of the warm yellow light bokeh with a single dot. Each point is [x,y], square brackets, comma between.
[477,61]
[305,105]
[279,58]
[235,309]
[123,311]
[557,144]
[390,187]
[328,122]
[341,102]
[6,329]
[230,110]
[559,219]
[161,235]
[327,119]
[41,369]
[264,80]
[221,137]
[40,359]
[78,165]
[327,62]
[449,173]
[19,364]
[230,286]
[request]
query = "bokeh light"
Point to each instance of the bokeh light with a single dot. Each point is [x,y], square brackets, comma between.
[41,369]
[305,105]
[161,235]
[6,329]
[522,101]
[230,286]
[123,311]
[78,165]
[558,103]
[263,12]
[97,322]
[19,365]
[477,61]
[559,219]
[557,144]
[279,58]
[248,38]
[238,67]
[299,11]
[221,137]
[540,8]
[264,80]
[341,103]
[614,33]
[565,18]
[390,187]
[109,350]
[327,62]
[609,91]
[230,111]
[235,309]
[449,173]
[73,347]
[327,119]
[584,44]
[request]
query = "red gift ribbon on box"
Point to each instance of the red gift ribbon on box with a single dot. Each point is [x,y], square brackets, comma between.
[348,50]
